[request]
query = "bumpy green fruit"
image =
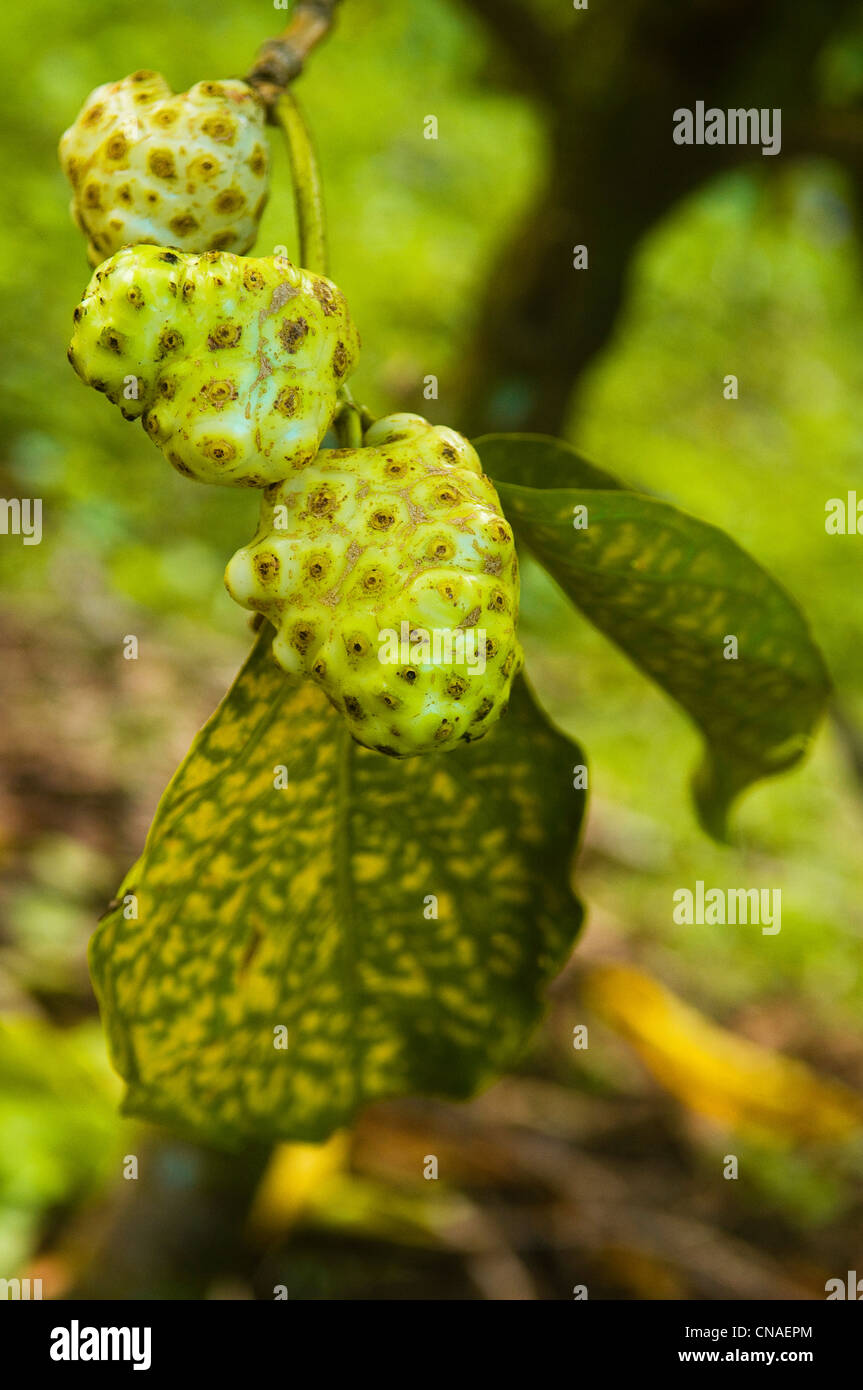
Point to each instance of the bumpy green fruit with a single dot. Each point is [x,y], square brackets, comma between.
[233,363]
[186,170]
[369,563]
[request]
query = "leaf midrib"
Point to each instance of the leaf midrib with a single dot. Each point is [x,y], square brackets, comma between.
[343,853]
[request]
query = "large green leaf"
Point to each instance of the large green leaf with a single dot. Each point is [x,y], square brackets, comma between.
[304,908]
[669,590]
[540,460]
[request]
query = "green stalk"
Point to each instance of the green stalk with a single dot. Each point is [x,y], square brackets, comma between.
[348,423]
[312,251]
[308,190]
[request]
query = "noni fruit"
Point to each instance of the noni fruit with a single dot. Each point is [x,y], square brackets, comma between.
[233,364]
[187,170]
[391,578]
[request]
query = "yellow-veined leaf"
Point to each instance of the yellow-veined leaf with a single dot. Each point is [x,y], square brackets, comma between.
[691,608]
[394,923]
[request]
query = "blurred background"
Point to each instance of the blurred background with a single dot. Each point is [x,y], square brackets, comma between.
[600,1167]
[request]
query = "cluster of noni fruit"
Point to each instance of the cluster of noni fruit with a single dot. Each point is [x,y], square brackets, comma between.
[236,367]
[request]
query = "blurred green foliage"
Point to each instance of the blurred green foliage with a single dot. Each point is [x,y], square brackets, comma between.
[757,276]
[58,1119]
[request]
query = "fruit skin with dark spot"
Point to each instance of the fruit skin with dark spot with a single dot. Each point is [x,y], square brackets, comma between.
[405,530]
[232,363]
[189,170]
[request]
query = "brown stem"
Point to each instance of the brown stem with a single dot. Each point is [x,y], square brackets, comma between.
[281,59]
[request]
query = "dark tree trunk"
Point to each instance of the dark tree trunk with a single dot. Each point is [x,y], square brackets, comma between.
[609,85]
